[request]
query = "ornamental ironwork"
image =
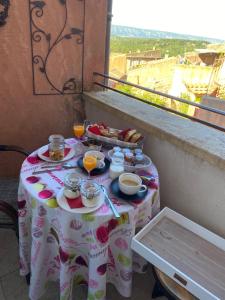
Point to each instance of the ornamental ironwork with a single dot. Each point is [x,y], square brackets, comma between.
[41,38]
[4,8]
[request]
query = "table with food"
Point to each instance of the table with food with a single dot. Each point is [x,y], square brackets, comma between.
[81,200]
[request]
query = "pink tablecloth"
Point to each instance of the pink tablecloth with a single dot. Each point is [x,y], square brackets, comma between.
[89,248]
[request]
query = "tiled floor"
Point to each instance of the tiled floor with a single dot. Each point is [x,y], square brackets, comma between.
[13,287]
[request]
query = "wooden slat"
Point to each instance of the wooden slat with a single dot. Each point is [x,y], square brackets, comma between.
[192,255]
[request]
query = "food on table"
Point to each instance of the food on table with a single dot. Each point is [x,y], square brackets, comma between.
[56,147]
[139,158]
[90,163]
[133,157]
[129,157]
[130,184]
[90,193]
[128,135]
[72,186]
[126,150]
[116,149]
[98,155]
[138,151]
[56,154]
[117,165]
[92,144]
[79,130]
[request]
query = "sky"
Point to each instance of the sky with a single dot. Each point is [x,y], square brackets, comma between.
[195,17]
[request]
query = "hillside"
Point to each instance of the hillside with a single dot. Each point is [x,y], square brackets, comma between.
[173,47]
[124,31]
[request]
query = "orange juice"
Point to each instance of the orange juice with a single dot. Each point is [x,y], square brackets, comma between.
[78,130]
[90,163]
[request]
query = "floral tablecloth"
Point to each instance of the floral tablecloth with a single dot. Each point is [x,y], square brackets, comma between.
[73,248]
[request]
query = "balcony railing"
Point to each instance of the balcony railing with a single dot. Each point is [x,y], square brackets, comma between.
[102,80]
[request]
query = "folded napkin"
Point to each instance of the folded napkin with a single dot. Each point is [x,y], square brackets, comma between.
[75,202]
[66,152]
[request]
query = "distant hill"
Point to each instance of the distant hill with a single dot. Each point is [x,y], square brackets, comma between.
[124,31]
[171,47]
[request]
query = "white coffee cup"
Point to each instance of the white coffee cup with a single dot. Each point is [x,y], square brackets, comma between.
[130,184]
[99,155]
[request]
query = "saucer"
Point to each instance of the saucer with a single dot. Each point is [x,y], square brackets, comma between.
[63,203]
[44,154]
[97,171]
[114,186]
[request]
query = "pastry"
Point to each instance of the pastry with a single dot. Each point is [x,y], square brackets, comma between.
[129,135]
[135,137]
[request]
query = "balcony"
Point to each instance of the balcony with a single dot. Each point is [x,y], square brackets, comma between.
[189,156]
[190,159]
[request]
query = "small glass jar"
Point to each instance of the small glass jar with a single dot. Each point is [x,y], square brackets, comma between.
[56,147]
[72,186]
[117,165]
[138,151]
[129,157]
[90,193]
[116,149]
[126,150]
[139,159]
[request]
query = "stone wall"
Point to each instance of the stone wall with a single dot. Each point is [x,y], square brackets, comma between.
[155,74]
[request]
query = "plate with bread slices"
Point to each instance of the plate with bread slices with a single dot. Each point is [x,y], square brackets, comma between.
[129,138]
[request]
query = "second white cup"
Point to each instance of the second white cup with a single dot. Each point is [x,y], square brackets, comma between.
[131,184]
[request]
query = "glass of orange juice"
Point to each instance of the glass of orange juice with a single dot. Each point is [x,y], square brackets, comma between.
[78,130]
[90,163]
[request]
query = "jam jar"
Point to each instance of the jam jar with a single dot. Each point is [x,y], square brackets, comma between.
[139,159]
[129,157]
[56,147]
[72,184]
[138,151]
[90,193]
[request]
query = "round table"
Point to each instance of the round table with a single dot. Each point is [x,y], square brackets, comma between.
[77,248]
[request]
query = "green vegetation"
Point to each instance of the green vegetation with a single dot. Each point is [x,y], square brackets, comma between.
[156,99]
[173,47]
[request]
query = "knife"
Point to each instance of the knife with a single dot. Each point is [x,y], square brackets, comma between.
[113,208]
[53,169]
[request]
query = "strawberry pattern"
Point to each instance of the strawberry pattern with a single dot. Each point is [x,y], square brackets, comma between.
[77,248]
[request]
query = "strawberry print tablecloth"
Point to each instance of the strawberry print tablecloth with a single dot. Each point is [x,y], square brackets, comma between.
[75,248]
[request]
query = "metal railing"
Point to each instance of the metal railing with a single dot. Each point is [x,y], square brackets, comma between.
[105,85]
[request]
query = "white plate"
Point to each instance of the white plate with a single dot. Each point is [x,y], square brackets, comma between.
[83,210]
[129,168]
[45,148]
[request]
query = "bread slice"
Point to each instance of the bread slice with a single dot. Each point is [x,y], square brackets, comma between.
[135,137]
[129,134]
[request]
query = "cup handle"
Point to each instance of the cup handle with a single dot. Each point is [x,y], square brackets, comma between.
[101,165]
[143,188]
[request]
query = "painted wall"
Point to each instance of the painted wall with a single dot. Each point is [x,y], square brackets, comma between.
[189,185]
[27,119]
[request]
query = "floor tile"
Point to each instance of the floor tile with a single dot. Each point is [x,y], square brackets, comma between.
[2,297]
[14,287]
[8,252]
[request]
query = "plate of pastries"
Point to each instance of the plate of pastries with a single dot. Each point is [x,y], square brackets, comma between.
[128,137]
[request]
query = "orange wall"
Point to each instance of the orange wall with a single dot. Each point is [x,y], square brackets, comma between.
[26,119]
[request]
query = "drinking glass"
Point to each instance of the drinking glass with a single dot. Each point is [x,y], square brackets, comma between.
[78,130]
[90,163]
